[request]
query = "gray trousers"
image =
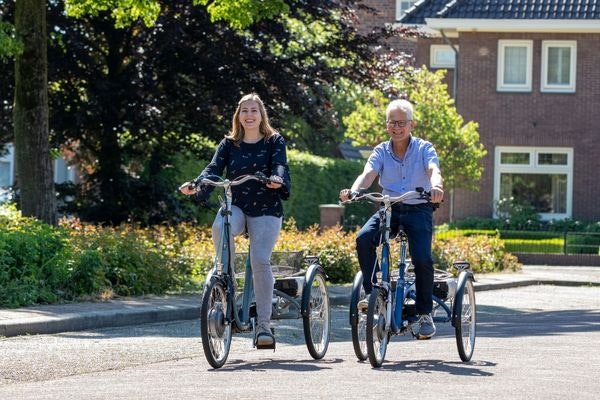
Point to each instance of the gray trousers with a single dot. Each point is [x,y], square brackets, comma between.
[263,232]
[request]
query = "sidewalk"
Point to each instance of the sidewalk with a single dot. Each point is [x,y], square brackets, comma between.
[81,316]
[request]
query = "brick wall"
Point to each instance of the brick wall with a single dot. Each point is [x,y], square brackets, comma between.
[532,119]
[384,12]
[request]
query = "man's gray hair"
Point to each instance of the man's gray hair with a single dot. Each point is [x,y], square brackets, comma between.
[403,105]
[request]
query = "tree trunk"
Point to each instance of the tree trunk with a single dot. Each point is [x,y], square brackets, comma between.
[35,174]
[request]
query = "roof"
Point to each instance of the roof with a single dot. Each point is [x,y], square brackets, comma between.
[423,9]
[503,9]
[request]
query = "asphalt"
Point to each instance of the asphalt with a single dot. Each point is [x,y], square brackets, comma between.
[49,319]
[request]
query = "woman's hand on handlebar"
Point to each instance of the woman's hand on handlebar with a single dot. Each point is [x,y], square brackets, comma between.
[188,188]
[275,182]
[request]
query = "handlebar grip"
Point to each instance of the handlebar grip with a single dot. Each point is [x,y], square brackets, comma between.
[262,177]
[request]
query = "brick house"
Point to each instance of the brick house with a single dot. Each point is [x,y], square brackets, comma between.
[527,72]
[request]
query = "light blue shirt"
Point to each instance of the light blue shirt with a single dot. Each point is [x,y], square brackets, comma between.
[398,176]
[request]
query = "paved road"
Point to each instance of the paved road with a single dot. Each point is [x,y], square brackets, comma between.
[536,342]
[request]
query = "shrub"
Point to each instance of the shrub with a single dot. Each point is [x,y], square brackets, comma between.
[334,247]
[33,260]
[484,253]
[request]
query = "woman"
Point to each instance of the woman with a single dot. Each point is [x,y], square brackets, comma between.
[253,146]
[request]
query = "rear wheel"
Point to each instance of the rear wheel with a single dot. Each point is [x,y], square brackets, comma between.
[465,319]
[358,320]
[316,315]
[214,328]
[377,335]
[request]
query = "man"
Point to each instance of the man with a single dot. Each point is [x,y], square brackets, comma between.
[402,164]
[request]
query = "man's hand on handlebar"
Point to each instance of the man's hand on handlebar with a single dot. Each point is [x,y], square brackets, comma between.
[437,194]
[345,195]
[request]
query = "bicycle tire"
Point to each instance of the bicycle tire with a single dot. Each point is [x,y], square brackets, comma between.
[215,331]
[465,317]
[358,320]
[316,313]
[377,336]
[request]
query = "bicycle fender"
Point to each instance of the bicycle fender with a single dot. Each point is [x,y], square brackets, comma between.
[460,289]
[356,286]
[313,269]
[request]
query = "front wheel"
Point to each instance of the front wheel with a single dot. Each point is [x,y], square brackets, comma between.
[358,320]
[465,317]
[316,313]
[377,335]
[214,328]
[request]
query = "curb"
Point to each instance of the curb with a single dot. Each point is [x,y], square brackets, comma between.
[186,310]
[97,319]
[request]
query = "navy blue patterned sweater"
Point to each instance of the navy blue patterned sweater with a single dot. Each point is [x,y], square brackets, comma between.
[253,197]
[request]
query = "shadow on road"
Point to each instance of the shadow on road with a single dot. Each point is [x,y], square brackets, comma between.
[279,364]
[429,366]
[506,322]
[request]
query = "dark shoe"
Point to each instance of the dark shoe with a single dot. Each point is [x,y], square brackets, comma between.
[426,327]
[363,305]
[264,337]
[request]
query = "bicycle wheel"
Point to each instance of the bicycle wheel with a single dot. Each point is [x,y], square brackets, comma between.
[215,332]
[316,313]
[377,336]
[465,318]
[358,320]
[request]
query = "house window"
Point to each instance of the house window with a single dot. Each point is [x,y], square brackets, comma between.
[541,177]
[62,172]
[6,166]
[514,65]
[442,56]
[402,6]
[558,66]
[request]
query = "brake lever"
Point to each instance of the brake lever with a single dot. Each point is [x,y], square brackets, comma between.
[262,177]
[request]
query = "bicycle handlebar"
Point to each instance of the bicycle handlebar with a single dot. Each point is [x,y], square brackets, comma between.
[376,197]
[217,181]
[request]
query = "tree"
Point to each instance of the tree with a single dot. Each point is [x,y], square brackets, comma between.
[33,162]
[127,100]
[238,13]
[456,143]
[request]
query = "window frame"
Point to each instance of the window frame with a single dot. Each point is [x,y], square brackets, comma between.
[399,12]
[533,167]
[553,88]
[435,49]
[501,86]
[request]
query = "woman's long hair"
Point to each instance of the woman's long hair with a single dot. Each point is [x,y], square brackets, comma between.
[237,130]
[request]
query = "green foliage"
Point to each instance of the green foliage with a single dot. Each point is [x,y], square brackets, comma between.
[124,12]
[548,245]
[517,215]
[240,14]
[484,253]
[318,180]
[9,45]
[334,247]
[457,143]
[583,243]
[44,264]
[33,260]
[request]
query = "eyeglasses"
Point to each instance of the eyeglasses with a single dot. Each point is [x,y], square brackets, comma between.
[398,124]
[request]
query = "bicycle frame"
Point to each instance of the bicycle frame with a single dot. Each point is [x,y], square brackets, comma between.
[224,263]
[404,288]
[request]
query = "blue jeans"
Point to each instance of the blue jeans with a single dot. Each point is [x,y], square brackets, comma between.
[417,221]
